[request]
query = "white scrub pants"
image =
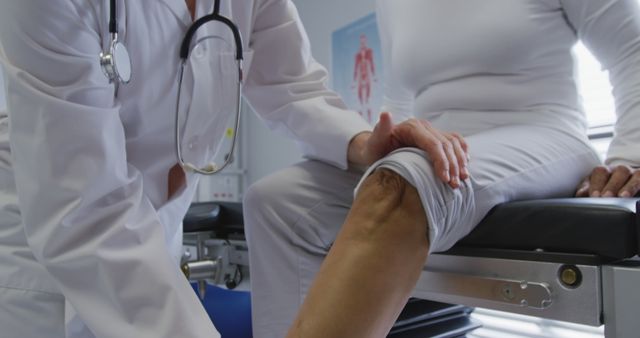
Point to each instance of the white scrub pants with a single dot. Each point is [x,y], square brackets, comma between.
[292,217]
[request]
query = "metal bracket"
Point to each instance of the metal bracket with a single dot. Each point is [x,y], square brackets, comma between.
[520,293]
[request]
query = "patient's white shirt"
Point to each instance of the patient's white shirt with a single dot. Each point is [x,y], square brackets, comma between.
[470,65]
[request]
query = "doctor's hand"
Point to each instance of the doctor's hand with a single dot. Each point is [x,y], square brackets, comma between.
[448,151]
[616,181]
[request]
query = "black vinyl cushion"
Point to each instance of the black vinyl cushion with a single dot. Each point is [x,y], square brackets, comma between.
[219,217]
[606,227]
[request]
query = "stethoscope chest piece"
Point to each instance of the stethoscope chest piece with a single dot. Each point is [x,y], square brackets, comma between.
[116,64]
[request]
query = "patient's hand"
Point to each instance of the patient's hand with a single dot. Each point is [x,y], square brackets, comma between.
[620,181]
[448,151]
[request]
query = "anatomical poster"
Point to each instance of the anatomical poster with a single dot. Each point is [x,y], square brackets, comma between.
[356,66]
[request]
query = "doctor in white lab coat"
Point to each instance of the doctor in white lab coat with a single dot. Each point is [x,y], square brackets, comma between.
[91,196]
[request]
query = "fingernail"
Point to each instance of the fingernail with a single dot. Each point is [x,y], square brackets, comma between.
[456,182]
[625,194]
[446,175]
[607,194]
[465,172]
[596,193]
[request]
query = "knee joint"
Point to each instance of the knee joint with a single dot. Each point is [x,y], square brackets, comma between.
[386,199]
[385,186]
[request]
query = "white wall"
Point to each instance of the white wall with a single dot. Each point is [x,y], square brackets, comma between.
[321,18]
[3,102]
[264,151]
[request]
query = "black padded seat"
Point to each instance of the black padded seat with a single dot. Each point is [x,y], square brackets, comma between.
[223,218]
[605,227]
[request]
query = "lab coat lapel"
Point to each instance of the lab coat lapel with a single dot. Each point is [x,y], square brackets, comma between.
[203,7]
[179,9]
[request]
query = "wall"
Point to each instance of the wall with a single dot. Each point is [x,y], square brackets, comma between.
[3,103]
[264,151]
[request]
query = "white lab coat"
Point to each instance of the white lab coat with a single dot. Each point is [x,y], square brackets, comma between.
[83,173]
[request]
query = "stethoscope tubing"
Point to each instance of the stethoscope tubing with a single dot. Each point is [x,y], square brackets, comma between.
[111,71]
[211,168]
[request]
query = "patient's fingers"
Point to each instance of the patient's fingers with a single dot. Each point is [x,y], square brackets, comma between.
[413,133]
[450,152]
[583,188]
[597,181]
[454,167]
[632,187]
[463,143]
[619,177]
[620,181]
[460,148]
[436,150]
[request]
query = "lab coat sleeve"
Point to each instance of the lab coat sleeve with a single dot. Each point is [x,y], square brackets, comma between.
[397,99]
[611,30]
[286,86]
[85,215]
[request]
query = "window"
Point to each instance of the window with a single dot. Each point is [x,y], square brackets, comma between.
[597,100]
[595,89]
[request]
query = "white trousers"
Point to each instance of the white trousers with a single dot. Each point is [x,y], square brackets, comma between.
[293,216]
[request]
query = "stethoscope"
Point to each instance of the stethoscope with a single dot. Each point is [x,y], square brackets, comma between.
[116,65]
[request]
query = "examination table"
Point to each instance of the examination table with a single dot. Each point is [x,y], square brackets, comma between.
[572,259]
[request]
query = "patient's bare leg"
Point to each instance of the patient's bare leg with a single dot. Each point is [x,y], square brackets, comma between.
[372,267]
